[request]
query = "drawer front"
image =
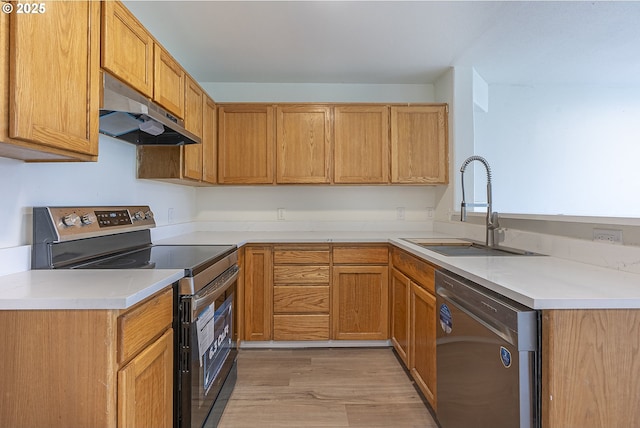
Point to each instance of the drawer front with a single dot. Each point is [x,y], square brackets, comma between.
[301,256]
[361,255]
[301,299]
[301,274]
[138,327]
[301,327]
[420,271]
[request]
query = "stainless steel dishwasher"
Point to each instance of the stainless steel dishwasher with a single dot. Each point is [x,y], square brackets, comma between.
[487,359]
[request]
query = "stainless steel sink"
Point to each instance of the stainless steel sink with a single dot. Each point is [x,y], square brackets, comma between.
[463,248]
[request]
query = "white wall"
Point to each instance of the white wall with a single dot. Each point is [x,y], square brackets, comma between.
[571,150]
[371,207]
[110,181]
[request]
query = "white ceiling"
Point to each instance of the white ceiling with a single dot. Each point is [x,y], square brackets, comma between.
[399,42]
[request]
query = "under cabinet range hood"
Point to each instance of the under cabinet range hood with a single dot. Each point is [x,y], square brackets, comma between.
[127,115]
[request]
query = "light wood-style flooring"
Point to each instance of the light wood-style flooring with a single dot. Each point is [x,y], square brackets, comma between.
[335,387]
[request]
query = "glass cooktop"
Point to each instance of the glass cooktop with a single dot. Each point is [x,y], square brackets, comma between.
[191,258]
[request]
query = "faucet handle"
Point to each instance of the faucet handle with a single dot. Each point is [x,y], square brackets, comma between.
[493,221]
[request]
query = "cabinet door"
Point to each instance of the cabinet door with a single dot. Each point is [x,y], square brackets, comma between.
[361,152]
[422,348]
[53,79]
[193,118]
[245,144]
[419,150]
[258,293]
[360,302]
[168,82]
[145,387]
[127,47]
[303,144]
[400,294]
[209,142]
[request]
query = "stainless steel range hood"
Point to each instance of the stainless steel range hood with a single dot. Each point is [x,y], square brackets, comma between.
[128,115]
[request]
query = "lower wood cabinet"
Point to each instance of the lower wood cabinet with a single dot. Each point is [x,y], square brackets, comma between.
[315,292]
[422,341]
[590,368]
[360,302]
[414,319]
[258,293]
[145,382]
[301,278]
[400,297]
[88,368]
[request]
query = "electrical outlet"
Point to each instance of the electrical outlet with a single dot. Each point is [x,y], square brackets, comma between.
[400,213]
[280,214]
[609,236]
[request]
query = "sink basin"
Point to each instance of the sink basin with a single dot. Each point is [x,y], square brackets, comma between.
[463,248]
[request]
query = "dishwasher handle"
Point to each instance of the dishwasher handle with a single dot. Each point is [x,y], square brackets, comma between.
[495,326]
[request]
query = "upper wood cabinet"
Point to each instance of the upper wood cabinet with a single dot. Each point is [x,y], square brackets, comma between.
[419,148]
[303,144]
[193,122]
[246,144]
[193,164]
[130,53]
[333,144]
[127,47]
[209,141]
[168,82]
[361,153]
[49,82]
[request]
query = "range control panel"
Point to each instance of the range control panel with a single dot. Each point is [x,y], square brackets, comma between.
[82,222]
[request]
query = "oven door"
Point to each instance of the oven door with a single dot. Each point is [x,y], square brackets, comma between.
[207,349]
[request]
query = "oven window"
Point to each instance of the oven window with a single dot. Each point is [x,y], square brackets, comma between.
[215,332]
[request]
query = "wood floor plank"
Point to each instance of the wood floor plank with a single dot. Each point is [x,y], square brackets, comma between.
[323,387]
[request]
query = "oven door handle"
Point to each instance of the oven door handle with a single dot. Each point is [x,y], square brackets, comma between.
[210,293]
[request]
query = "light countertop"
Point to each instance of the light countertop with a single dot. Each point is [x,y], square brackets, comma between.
[82,289]
[540,282]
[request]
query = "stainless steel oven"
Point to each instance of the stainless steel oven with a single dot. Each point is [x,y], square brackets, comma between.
[207,350]
[204,313]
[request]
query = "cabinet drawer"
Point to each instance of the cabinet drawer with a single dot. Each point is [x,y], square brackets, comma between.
[361,255]
[301,299]
[301,256]
[420,271]
[301,274]
[301,327]
[140,326]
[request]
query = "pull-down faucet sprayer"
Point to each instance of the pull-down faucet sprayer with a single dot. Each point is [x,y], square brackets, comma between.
[492,217]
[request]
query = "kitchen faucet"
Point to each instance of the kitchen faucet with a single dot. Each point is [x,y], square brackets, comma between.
[492,217]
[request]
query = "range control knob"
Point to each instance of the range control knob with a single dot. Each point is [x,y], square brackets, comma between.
[138,215]
[148,215]
[70,220]
[88,219]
